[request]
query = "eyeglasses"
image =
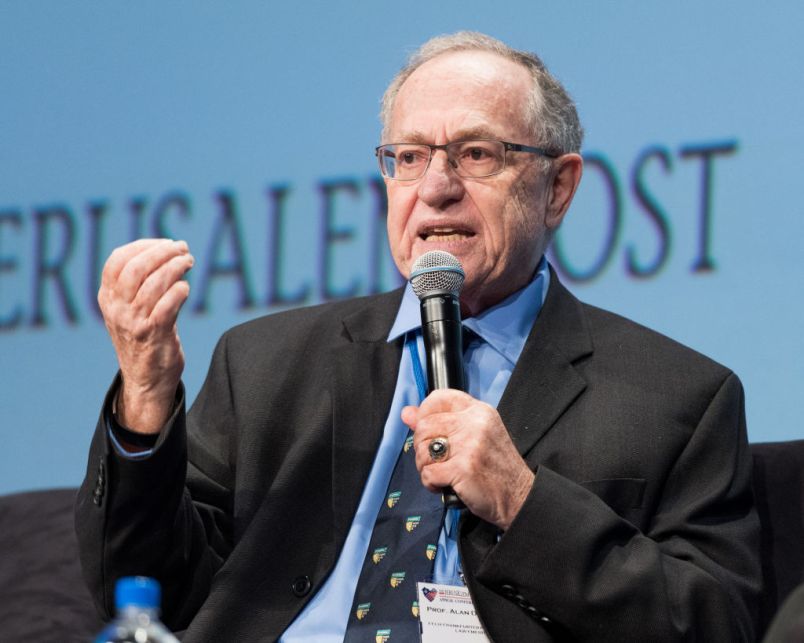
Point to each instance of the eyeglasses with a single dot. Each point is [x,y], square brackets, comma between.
[469,159]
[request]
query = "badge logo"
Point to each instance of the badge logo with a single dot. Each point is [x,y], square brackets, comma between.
[378,554]
[430,594]
[382,636]
[362,610]
[414,609]
[393,498]
[431,552]
[397,578]
[411,522]
[408,444]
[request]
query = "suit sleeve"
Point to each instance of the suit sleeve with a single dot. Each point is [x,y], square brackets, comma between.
[161,516]
[574,569]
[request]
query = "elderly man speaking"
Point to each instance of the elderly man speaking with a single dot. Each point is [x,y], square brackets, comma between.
[602,469]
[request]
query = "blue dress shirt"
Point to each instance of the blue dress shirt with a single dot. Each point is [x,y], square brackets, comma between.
[489,364]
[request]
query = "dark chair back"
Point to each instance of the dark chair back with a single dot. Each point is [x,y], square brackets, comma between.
[779,489]
[42,593]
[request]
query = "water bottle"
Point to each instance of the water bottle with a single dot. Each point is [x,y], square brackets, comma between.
[137,601]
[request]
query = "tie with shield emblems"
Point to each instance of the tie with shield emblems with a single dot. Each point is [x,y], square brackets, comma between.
[401,552]
[402,548]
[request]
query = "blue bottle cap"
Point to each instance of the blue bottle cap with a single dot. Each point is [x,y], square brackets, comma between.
[139,591]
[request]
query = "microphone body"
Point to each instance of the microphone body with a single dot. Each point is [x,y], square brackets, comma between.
[443,341]
[437,278]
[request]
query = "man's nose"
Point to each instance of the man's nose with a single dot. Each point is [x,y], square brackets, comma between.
[440,185]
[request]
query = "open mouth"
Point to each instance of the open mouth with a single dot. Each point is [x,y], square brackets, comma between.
[445,234]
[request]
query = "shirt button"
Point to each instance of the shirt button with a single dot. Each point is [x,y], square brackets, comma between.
[301,586]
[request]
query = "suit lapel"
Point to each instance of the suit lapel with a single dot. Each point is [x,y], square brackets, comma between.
[365,370]
[545,382]
[543,385]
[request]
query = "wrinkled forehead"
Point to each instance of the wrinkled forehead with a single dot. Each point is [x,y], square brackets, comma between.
[477,93]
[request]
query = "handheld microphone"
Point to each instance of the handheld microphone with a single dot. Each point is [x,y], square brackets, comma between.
[437,278]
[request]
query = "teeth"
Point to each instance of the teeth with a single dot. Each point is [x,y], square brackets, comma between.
[445,234]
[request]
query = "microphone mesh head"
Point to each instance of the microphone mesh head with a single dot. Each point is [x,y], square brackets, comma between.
[436,271]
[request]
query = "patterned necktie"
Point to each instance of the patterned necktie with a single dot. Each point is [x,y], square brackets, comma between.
[401,552]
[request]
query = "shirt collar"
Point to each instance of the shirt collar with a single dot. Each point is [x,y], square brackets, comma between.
[505,327]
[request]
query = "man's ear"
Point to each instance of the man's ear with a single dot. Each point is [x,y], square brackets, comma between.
[565,177]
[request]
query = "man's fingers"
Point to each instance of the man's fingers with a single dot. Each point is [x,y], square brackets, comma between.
[167,308]
[122,255]
[437,476]
[139,267]
[442,425]
[437,425]
[409,415]
[445,400]
[161,281]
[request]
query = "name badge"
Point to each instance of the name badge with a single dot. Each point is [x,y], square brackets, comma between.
[447,615]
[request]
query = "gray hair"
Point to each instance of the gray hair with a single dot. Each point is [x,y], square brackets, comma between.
[551,111]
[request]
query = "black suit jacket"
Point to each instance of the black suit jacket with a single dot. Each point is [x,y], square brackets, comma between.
[640,525]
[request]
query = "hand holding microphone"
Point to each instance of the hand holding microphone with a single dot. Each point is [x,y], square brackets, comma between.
[437,278]
[468,448]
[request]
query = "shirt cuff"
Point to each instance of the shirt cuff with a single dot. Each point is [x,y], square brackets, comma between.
[119,434]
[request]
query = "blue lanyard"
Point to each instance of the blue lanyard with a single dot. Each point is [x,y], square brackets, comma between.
[418,373]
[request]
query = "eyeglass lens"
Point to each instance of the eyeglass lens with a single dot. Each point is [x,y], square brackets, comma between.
[408,162]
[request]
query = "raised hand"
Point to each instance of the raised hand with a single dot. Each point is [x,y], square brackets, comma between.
[140,297]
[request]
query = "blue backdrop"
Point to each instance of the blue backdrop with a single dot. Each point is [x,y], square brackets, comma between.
[248,129]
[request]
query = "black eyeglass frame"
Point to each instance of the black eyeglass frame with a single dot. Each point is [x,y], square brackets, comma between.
[507,146]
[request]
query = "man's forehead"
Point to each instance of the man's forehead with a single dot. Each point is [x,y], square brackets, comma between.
[462,95]
[463,134]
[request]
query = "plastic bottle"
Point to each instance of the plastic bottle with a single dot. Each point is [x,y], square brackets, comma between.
[137,600]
